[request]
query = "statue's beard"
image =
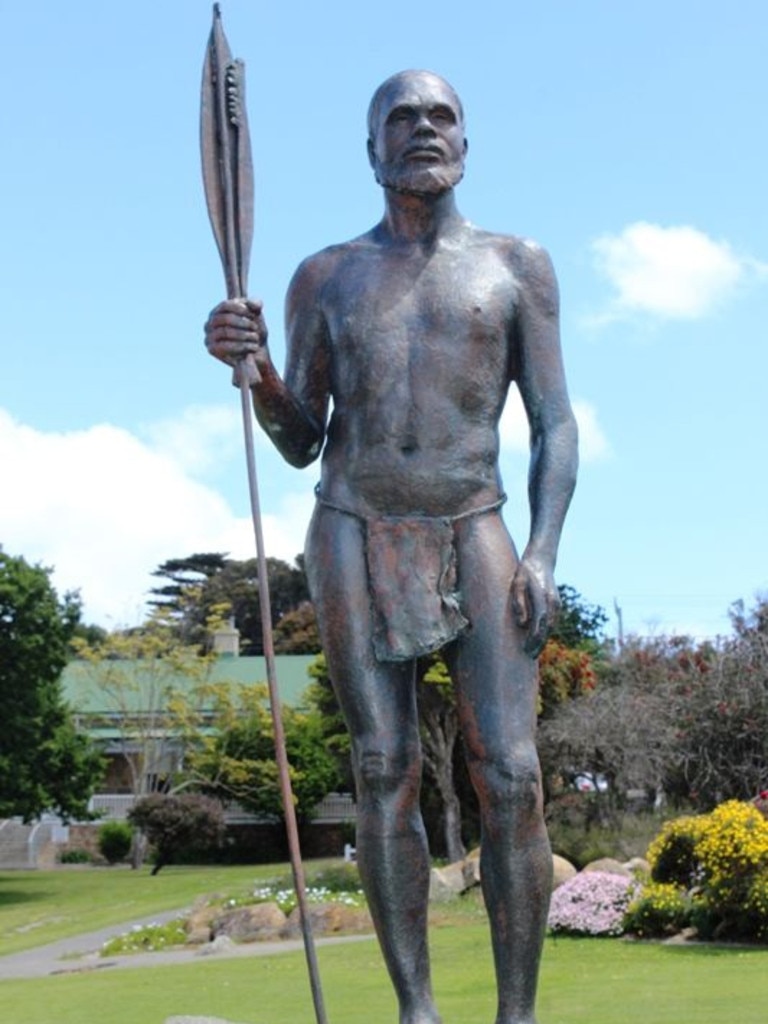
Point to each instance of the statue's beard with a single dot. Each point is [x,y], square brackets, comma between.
[419,179]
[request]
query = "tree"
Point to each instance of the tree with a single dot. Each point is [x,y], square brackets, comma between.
[721,750]
[203,583]
[439,721]
[564,674]
[138,674]
[689,719]
[44,763]
[174,823]
[233,758]
[579,624]
[297,632]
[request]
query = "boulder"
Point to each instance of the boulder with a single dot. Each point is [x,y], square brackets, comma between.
[329,919]
[250,923]
[447,882]
[199,924]
[472,867]
[638,866]
[562,870]
[609,866]
[221,944]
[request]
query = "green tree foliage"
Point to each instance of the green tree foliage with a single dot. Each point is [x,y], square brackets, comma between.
[175,823]
[44,763]
[297,632]
[140,676]
[321,697]
[579,625]
[203,584]
[233,756]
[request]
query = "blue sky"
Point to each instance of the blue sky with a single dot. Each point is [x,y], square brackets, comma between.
[626,138]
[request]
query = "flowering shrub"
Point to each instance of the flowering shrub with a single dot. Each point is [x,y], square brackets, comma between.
[147,938]
[286,898]
[672,854]
[591,903]
[718,863]
[756,905]
[733,843]
[660,908]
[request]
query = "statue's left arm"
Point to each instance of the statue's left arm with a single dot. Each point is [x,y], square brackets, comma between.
[538,365]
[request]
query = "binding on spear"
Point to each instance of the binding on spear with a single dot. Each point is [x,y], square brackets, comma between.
[228,182]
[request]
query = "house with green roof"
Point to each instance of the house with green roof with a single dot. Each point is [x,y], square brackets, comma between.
[123,706]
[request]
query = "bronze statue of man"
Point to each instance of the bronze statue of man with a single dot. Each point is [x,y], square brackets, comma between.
[415,330]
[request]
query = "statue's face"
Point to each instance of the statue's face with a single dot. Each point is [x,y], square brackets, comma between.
[417,139]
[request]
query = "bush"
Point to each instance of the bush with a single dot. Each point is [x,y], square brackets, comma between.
[721,858]
[75,857]
[174,823]
[733,844]
[115,840]
[660,909]
[591,903]
[672,855]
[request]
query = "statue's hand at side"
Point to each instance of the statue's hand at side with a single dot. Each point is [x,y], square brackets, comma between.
[535,602]
[236,333]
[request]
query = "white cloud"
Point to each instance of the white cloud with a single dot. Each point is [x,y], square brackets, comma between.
[200,437]
[673,272]
[513,429]
[104,509]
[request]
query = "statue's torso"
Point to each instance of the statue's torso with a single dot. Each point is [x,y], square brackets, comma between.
[421,359]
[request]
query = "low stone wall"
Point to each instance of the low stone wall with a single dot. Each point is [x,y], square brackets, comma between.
[246,843]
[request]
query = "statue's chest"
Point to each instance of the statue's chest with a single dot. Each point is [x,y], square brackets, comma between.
[395,311]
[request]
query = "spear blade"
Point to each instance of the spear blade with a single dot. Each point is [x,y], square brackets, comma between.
[225,150]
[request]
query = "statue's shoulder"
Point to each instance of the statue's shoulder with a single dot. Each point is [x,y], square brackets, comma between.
[523,254]
[321,267]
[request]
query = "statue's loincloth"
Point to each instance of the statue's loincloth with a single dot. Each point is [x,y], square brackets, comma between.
[412,580]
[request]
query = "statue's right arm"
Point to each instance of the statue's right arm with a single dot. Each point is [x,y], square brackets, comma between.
[291,409]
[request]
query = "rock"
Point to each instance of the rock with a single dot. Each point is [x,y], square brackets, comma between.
[447,882]
[472,867]
[562,870]
[199,925]
[221,944]
[250,923]
[330,919]
[686,935]
[638,866]
[609,866]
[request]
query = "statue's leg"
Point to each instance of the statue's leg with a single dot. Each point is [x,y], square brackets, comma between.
[496,690]
[379,704]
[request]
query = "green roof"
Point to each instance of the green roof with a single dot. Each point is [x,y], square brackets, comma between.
[85,686]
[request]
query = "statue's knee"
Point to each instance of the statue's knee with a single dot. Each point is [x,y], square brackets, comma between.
[510,782]
[382,771]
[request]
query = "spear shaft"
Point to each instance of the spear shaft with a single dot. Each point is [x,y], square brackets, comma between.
[228,182]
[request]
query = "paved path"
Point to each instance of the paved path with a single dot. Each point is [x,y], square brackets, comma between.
[81,953]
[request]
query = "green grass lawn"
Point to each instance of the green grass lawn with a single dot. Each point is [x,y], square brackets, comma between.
[37,907]
[583,982]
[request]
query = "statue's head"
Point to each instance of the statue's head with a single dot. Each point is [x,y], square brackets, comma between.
[416,137]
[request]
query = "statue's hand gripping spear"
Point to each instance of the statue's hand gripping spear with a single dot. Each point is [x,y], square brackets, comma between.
[228,182]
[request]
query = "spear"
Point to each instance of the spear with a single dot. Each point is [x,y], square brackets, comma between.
[228,182]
